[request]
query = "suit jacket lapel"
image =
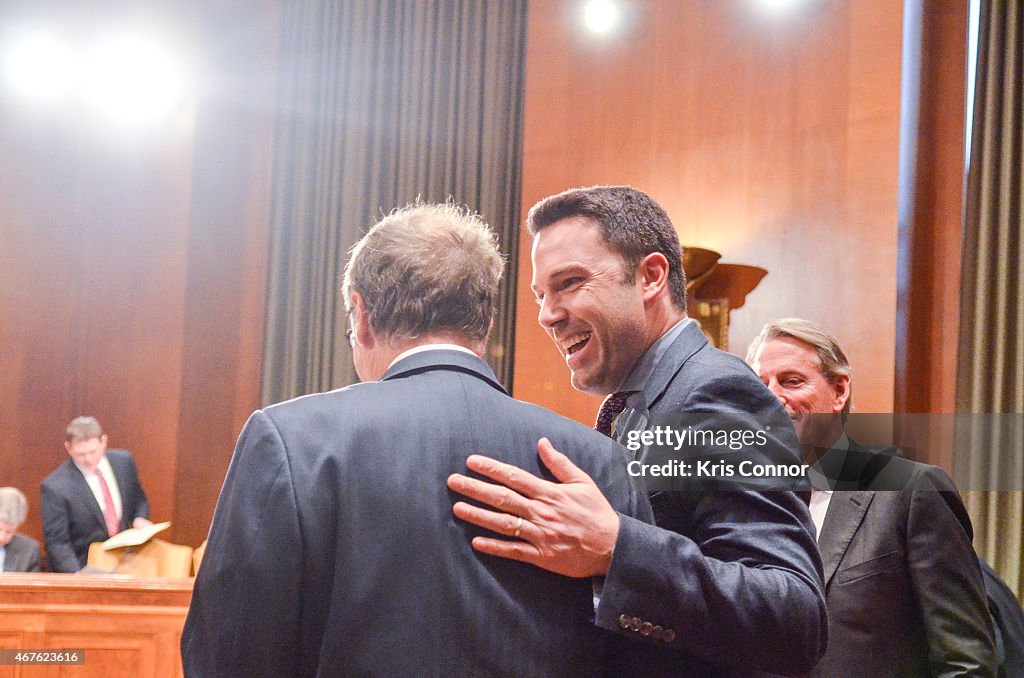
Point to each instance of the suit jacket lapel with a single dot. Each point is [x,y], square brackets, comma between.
[85,495]
[637,417]
[845,513]
[689,341]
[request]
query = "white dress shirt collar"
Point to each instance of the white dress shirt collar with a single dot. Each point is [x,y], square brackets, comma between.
[429,347]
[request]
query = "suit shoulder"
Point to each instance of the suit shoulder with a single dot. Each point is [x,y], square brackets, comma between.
[711,377]
[724,365]
[24,542]
[935,475]
[366,405]
[917,475]
[119,455]
[58,476]
[352,395]
[556,423]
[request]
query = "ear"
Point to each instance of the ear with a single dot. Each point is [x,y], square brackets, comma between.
[652,274]
[361,322]
[487,337]
[67,446]
[840,392]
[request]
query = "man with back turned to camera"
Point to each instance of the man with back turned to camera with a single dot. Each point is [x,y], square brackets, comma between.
[91,497]
[333,550]
[728,582]
[902,582]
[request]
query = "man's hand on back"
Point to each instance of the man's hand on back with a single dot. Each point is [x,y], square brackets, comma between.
[568,527]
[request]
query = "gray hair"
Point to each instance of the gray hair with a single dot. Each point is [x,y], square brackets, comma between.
[831,360]
[427,268]
[632,223]
[13,506]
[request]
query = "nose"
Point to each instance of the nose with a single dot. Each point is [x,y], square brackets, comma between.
[551,312]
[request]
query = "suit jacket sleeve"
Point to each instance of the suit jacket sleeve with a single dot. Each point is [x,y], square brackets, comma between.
[140,502]
[947,580]
[245,613]
[33,559]
[53,507]
[736,575]
[22,554]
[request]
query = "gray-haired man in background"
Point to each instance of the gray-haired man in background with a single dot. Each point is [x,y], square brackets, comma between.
[902,582]
[18,553]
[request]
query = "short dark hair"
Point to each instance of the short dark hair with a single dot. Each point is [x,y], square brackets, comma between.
[632,224]
[83,428]
[427,268]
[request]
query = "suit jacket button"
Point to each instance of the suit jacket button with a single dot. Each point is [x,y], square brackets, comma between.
[658,633]
[646,628]
[634,624]
[670,635]
[623,621]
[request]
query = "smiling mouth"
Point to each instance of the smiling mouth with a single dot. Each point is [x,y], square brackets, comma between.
[575,343]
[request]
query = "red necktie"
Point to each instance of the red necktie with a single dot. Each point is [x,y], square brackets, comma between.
[109,513]
[610,409]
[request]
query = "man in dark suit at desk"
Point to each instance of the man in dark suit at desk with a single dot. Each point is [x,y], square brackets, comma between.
[89,498]
[333,550]
[902,582]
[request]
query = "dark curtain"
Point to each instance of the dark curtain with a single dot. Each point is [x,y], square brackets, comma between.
[382,103]
[991,352]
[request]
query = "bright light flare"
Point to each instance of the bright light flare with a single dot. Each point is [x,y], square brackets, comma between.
[601,16]
[780,6]
[39,66]
[132,80]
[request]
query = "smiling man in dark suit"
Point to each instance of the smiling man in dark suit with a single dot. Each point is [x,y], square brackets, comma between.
[727,582]
[92,496]
[902,582]
[333,550]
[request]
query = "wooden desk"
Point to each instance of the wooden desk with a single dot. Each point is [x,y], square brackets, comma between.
[127,626]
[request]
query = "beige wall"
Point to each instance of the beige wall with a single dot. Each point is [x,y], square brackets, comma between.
[773,140]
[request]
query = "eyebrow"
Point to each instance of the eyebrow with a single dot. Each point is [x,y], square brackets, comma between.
[562,271]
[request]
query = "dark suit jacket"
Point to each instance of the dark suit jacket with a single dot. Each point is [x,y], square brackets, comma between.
[1008,621]
[72,518]
[903,585]
[736,575]
[333,550]
[22,555]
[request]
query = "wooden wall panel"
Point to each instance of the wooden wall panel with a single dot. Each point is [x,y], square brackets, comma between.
[132,266]
[226,291]
[932,207]
[126,626]
[93,295]
[772,139]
